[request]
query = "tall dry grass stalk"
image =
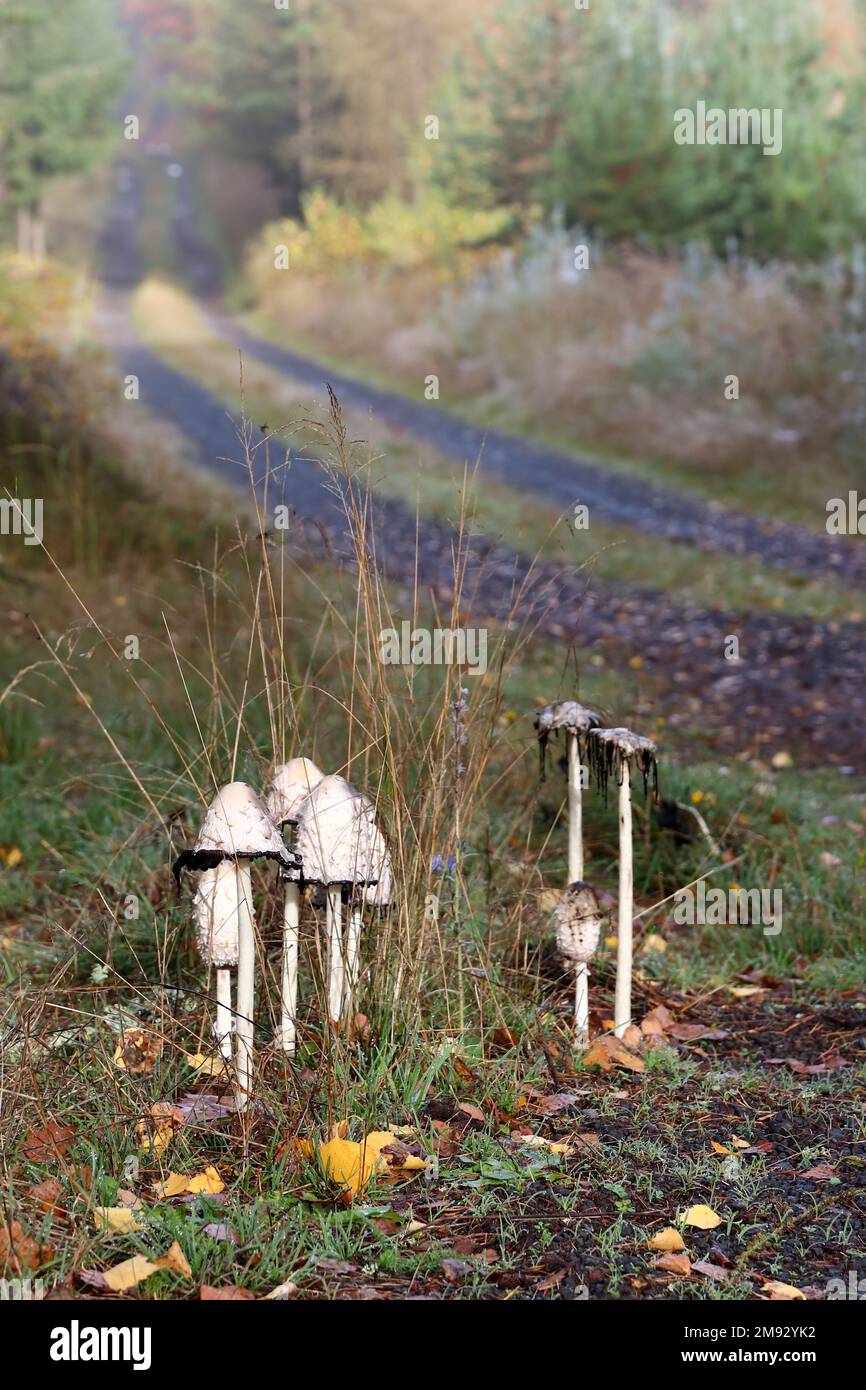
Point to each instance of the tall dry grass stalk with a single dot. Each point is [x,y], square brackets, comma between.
[282,656]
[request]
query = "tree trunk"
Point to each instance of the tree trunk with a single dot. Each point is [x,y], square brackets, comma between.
[37,233]
[23,231]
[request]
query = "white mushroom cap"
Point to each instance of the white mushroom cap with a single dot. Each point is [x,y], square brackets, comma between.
[338,839]
[291,785]
[237,826]
[215,912]
[578,921]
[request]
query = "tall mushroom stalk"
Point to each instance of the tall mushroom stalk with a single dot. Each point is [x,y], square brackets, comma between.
[577,721]
[343,851]
[578,928]
[236,830]
[612,751]
[291,785]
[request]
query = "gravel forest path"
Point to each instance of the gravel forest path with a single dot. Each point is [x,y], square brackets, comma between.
[798,684]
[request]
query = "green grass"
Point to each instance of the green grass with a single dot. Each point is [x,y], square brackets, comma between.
[488,1024]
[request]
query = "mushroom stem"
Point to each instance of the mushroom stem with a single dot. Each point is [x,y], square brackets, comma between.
[581,1003]
[334,923]
[353,953]
[291,920]
[223,1025]
[622,1001]
[575,811]
[246,983]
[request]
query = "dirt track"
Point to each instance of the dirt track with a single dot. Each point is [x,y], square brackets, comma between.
[798,684]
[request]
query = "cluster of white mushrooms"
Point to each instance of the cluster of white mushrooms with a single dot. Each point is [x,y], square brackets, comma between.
[337,846]
[607,753]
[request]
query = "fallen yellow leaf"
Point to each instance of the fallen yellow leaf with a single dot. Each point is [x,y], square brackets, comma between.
[668,1240]
[208,1066]
[120,1220]
[175,1260]
[137,1051]
[720,1149]
[11,856]
[129,1273]
[704,1218]
[413,1163]
[209,1181]
[780,1292]
[352,1165]
[537,1141]
[173,1186]
[156,1133]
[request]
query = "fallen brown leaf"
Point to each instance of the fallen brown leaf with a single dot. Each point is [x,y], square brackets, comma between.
[137,1051]
[692,1032]
[47,1194]
[674,1264]
[54,1141]
[710,1270]
[19,1251]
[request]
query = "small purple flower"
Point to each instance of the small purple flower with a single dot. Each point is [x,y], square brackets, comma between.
[443,866]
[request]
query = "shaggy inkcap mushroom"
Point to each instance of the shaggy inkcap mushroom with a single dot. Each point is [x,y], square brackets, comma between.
[236,830]
[215,913]
[575,718]
[342,849]
[612,752]
[577,721]
[338,840]
[289,789]
[611,749]
[578,921]
[237,826]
